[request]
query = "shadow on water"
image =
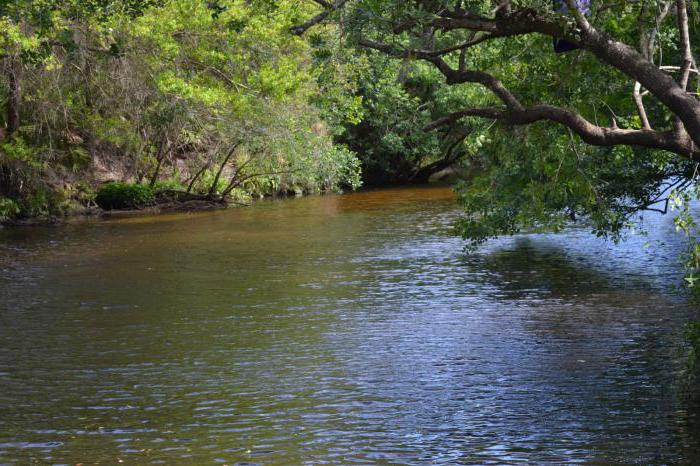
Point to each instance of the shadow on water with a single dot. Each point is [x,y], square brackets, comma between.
[527,266]
[338,330]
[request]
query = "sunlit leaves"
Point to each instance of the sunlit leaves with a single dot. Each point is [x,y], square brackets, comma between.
[173,85]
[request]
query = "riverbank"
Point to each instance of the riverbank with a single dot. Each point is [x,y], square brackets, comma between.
[94,212]
[166,204]
[117,199]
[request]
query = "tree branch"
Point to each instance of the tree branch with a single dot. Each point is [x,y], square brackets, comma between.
[328,9]
[589,132]
[452,76]
[639,102]
[686,54]
[232,150]
[580,18]
[508,23]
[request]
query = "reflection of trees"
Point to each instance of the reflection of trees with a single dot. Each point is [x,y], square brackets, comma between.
[534,267]
[611,341]
[569,297]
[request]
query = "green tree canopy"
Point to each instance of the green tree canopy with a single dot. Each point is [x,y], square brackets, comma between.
[601,133]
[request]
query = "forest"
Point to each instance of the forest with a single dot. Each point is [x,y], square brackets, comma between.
[216,100]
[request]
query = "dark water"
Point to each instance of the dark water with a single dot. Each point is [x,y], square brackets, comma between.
[339,330]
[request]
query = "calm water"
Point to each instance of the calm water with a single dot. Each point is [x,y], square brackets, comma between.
[339,330]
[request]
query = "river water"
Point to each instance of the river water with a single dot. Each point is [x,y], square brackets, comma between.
[345,329]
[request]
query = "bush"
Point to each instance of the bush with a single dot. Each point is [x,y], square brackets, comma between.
[8,209]
[124,196]
[168,185]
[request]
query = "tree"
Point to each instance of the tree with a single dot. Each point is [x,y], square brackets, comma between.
[214,99]
[443,33]
[630,106]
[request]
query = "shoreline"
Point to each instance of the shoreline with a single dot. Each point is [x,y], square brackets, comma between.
[95,213]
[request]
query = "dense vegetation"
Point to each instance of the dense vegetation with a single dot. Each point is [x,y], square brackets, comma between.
[214,99]
[223,99]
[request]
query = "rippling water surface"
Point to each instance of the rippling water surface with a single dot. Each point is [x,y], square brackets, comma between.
[339,330]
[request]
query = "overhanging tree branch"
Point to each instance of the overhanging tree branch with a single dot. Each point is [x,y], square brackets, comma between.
[589,132]
[615,53]
[684,106]
[328,9]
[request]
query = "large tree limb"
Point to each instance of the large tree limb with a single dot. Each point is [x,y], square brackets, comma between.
[589,132]
[615,53]
[508,23]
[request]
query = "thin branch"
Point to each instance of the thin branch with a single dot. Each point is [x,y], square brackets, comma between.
[580,18]
[639,102]
[328,9]
[686,55]
[231,151]
[219,74]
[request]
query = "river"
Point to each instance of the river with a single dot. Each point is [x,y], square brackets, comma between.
[349,329]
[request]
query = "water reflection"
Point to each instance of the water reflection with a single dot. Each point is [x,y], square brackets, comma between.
[337,330]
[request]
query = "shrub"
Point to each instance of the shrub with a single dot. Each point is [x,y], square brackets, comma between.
[8,209]
[168,185]
[124,196]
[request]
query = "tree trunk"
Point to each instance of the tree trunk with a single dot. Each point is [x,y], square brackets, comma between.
[163,149]
[14,99]
[231,151]
[156,172]
[199,173]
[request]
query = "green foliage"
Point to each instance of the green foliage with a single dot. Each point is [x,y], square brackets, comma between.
[168,185]
[9,209]
[390,139]
[680,201]
[162,89]
[22,181]
[553,179]
[118,195]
